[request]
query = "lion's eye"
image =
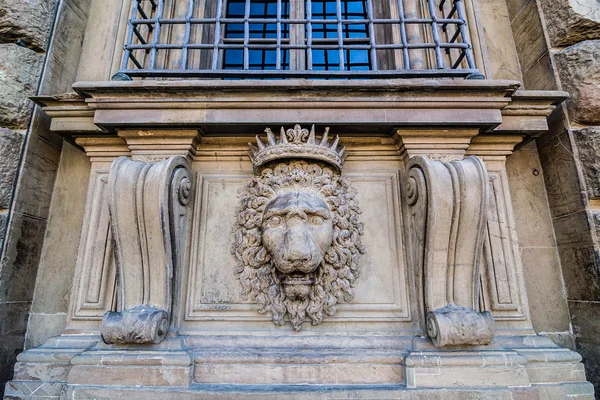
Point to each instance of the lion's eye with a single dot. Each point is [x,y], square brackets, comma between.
[274,221]
[317,220]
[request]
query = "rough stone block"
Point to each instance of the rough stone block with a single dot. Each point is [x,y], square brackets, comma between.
[20,259]
[29,21]
[20,69]
[43,326]
[579,70]
[3,221]
[571,21]
[10,347]
[10,151]
[588,144]
[561,176]
[580,272]
[586,326]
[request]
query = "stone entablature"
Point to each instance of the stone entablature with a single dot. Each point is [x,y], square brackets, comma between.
[439,301]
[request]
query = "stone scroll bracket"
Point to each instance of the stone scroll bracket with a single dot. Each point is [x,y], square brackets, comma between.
[448,206]
[148,206]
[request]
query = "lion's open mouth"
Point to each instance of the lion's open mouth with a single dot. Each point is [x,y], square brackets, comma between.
[298,278]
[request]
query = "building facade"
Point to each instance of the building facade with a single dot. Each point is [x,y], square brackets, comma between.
[415,215]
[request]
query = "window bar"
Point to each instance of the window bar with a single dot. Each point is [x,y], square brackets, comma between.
[450,14]
[309,36]
[246,35]
[217,39]
[404,33]
[464,34]
[128,53]
[155,40]
[372,43]
[340,35]
[187,35]
[458,60]
[278,51]
[141,10]
[436,38]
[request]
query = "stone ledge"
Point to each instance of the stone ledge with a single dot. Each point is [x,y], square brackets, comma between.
[373,108]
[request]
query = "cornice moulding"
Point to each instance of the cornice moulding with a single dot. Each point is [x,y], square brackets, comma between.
[363,107]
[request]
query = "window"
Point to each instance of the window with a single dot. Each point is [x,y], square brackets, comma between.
[297,38]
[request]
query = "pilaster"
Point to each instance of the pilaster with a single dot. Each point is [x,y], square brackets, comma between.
[503,289]
[443,144]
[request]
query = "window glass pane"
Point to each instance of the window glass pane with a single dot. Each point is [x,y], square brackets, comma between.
[258,58]
[353,34]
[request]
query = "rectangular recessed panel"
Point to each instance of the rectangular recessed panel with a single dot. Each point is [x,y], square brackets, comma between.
[214,293]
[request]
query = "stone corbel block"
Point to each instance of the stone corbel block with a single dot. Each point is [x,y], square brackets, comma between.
[148,212]
[448,203]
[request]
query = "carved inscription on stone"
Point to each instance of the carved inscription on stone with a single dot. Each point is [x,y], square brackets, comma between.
[297,231]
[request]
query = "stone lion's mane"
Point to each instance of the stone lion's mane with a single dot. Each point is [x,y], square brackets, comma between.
[335,278]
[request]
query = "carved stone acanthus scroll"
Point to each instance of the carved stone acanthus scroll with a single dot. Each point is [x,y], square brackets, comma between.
[448,204]
[148,212]
[297,231]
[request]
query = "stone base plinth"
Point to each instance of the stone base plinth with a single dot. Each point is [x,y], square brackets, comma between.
[395,367]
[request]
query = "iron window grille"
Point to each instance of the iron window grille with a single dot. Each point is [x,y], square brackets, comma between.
[331,39]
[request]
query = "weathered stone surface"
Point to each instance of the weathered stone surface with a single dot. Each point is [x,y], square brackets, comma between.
[10,151]
[586,325]
[3,221]
[588,145]
[571,21]
[13,323]
[20,259]
[29,21]
[560,172]
[579,70]
[303,253]
[20,69]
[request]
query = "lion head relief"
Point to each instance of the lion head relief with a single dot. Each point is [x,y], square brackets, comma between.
[297,240]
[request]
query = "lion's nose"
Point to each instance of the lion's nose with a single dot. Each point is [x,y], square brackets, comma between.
[297,245]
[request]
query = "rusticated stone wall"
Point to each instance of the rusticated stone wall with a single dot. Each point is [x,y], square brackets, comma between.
[40,46]
[559,48]
[24,33]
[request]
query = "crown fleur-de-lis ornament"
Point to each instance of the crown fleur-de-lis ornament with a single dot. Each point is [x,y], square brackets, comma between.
[297,143]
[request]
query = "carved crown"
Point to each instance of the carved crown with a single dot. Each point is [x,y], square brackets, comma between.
[297,143]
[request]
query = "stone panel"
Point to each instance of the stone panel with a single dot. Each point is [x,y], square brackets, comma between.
[38,171]
[530,202]
[545,289]
[588,147]
[560,172]
[540,75]
[10,151]
[214,294]
[502,55]
[571,21]
[19,262]
[10,347]
[3,221]
[19,73]
[579,70]
[580,272]
[64,226]
[13,323]
[529,35]
[41,327]
[586,326]
[65,50]
[28,21]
